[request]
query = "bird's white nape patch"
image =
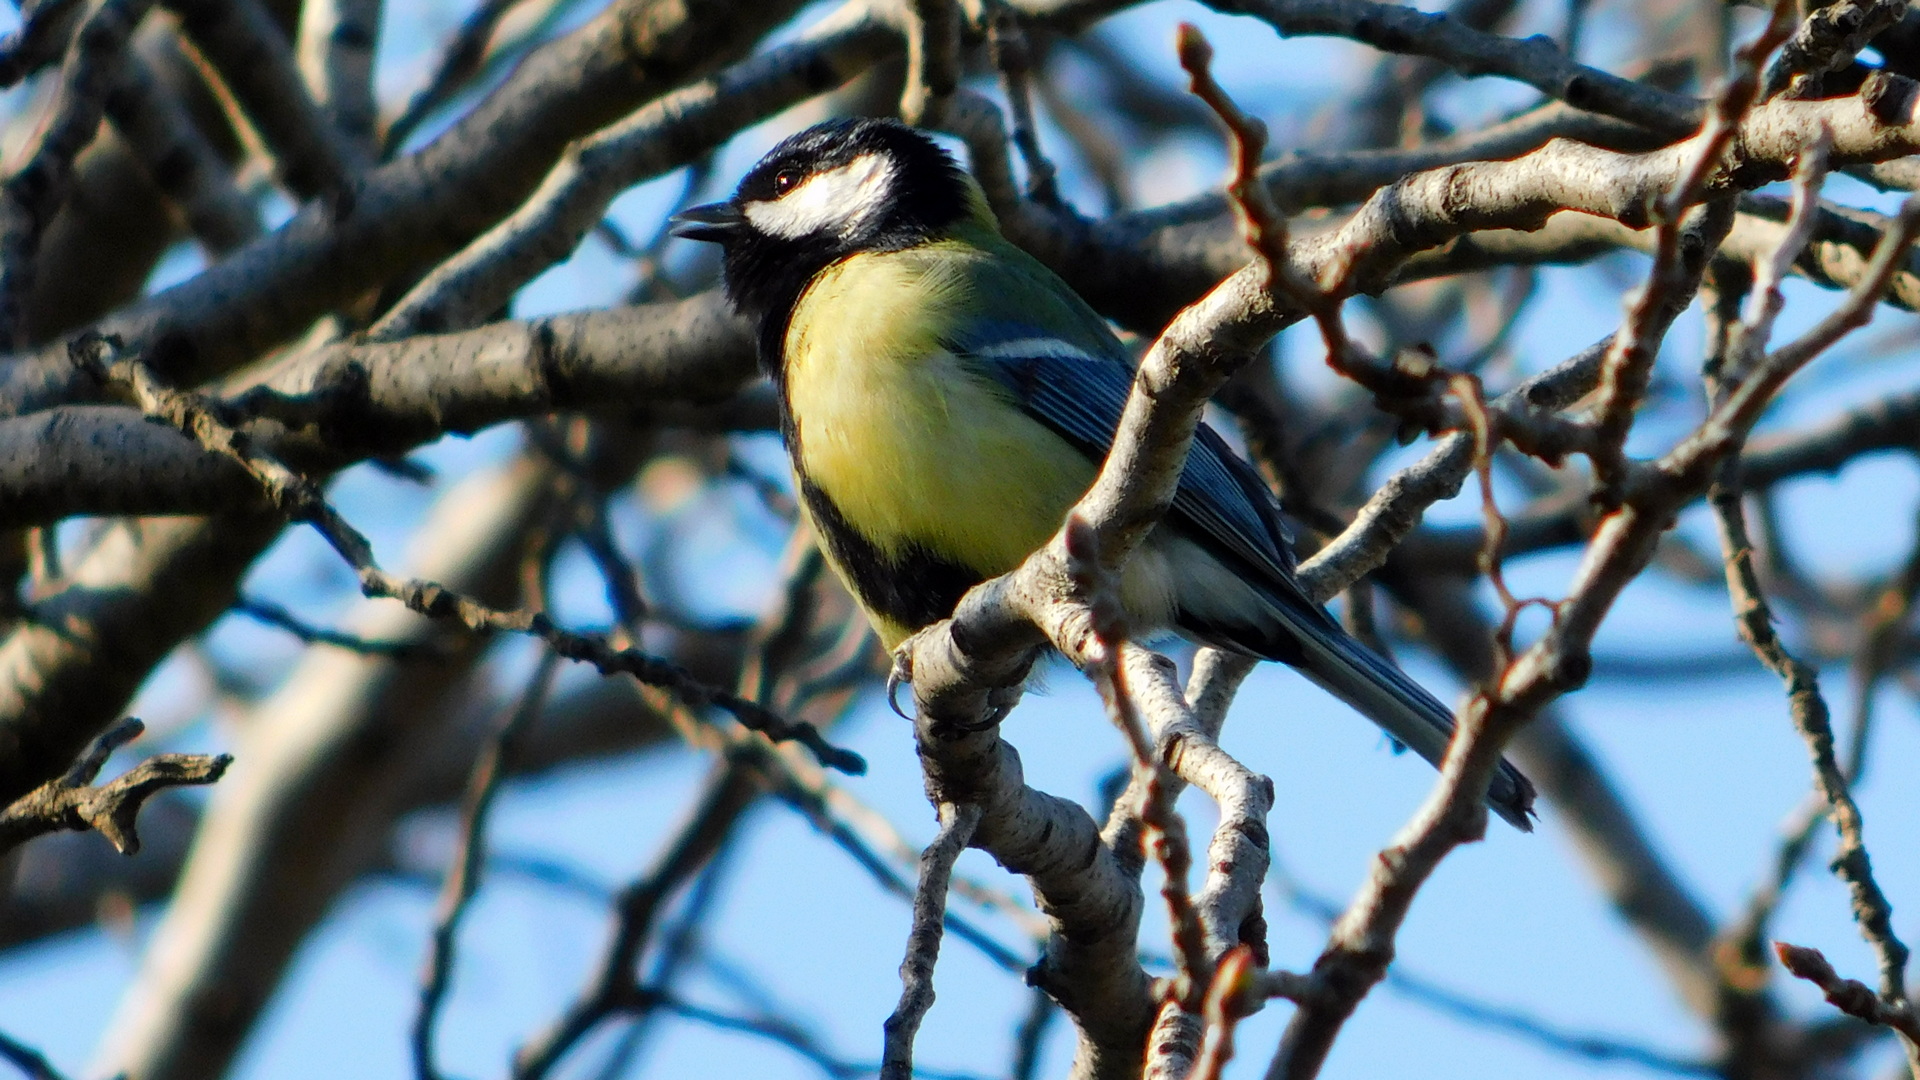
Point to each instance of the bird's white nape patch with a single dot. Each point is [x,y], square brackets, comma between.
[834,201]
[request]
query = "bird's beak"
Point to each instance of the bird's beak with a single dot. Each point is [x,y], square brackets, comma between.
[718,222]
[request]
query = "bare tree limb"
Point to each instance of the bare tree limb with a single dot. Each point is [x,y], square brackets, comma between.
[255,61]
[301,500]
[332,758]
[111,810]
[335,51]
[420,208]
[31,1063]
[590,174]
[1855,999]
[34,192]
[923,941]
[463,877]
[1535,61]
[179,158]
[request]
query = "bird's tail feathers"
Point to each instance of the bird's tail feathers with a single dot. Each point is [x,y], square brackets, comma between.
[1386,695]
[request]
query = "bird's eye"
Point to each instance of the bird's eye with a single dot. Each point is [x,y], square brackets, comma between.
[784,181]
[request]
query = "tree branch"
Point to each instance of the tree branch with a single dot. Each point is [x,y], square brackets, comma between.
[111,810]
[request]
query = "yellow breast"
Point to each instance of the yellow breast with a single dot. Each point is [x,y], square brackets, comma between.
[909,444]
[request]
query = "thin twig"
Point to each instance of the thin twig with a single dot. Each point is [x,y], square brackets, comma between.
[300,500]
[1764,302]
[1811,718]
[1013,56]
[463,878]
[613,986]
[957,823]
[1628,369]
[1229,999]
[1165,832]
[69,802]
[784,1033]
[1854,998]
[271,614]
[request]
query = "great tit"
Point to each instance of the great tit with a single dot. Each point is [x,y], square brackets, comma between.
[946,399]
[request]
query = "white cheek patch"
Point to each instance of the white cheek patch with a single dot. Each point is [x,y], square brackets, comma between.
[835,201]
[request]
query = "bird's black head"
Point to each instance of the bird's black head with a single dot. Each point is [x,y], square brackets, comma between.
[837,188]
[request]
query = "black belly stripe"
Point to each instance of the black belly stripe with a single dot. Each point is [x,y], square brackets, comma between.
[914,588]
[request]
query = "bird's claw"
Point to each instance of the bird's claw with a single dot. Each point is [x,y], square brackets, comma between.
[899,674]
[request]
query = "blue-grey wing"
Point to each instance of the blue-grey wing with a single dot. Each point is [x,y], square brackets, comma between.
[1079,392]
[1079,389]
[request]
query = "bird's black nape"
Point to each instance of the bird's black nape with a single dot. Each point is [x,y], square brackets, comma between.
[914,192]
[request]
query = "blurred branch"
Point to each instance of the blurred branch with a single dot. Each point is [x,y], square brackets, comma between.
[744,768]
[254,61]
[1811,719]
[61,883]
[460,60]
[333,756]
[1513,1022]
[31,1063]
[335,52]
[35,191]
[463,877]
[271,614]
[45,26]
[181,161]
[932,32]
[184,573]
[144,586]
[415,210]
[1392,98]
[783,1033]
[677,128]
[614,988]
[1012,54]
[148,586]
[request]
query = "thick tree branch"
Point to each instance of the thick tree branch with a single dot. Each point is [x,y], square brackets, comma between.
[251,54]
[33,194]
[1535,61]
[420,208]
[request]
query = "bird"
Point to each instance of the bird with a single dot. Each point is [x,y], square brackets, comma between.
[946,399]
